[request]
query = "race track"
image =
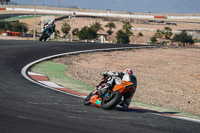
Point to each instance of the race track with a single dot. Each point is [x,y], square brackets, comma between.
[29,108]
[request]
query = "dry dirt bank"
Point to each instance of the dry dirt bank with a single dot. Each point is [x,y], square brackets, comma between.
[168,77]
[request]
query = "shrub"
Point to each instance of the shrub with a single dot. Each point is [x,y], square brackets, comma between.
[153,40]
[110,32]
[16,26]
[57,33]
[19,27]
[75,31]
[110,25]
[65,28]
[183,38]
[87,33]
[96,26]
[122,37]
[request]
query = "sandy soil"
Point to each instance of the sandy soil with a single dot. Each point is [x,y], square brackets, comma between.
[80,22]
[168,77]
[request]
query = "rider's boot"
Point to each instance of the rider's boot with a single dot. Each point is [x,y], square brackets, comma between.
[123,104]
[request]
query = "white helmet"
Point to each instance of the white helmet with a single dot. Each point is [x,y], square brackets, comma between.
[128,71]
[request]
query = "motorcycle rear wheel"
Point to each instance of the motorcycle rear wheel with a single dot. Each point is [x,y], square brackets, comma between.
[116,97]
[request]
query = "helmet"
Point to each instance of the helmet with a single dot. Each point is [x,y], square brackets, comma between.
[128,71]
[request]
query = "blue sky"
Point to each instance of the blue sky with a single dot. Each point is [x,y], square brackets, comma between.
[156,6]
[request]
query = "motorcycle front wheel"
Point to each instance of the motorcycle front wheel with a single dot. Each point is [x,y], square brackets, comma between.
[112,101]
[41,38]
[86,101]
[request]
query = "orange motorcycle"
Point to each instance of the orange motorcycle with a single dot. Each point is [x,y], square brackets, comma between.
[112,97]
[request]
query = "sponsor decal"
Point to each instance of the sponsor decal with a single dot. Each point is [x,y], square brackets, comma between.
[98,102]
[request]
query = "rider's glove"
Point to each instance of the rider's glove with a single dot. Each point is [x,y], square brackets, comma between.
[112,73]
[105,74]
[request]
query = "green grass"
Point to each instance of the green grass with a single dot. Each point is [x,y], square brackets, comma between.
[21,17]
[25,17]
[57,73]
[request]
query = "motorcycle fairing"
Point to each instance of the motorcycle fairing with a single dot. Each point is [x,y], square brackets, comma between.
[124,87]
[95,99]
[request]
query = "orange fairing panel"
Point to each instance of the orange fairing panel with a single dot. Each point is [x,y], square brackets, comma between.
[96,101]
[124,87]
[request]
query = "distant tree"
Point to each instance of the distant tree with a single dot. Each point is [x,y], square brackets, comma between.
[164,33]
[153,40]
[124,34]
[110,32]
[87,33]
[2,25]
[127,28]
[183,38]
[75,31]
[159,33]
[6,1]
[65,28]
[19,27]
[16,26]
[5,26]
[110,25]
[140,34]
[8,26]
[96,26]
[57,33]
[122,37]
[167,33]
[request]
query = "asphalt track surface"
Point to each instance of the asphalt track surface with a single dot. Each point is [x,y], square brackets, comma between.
[26,107]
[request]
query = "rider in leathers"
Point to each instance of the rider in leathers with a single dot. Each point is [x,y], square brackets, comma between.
[51,25]
[116,78]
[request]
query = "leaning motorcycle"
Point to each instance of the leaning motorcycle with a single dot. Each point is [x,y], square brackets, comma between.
[46,32]
[112,97]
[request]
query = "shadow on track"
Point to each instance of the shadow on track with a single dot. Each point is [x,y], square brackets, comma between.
[141,110]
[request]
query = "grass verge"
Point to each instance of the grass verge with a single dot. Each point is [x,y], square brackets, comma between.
[57,73]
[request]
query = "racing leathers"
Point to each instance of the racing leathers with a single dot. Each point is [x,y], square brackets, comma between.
[116,78]
[51,27]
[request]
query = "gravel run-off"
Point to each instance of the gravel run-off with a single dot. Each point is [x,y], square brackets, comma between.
[167,77]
